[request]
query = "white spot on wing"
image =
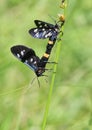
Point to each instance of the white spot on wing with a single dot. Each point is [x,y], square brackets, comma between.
[26,61]
[45,25]
[22,52]
[39,22]
[34,62]
[18,55]
[43,33]
[40,26]
[31,59]
[56,29]
[50,29]
[48,35]
[37,34]
[43,29]
[35,30]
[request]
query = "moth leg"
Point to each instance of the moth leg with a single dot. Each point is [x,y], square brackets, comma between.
[44,75]
[61,32]
[51,62]
[59,39]
[50,70]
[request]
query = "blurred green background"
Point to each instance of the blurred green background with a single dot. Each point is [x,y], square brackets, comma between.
[22,105]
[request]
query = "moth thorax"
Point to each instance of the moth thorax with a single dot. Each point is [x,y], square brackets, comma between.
[40,71]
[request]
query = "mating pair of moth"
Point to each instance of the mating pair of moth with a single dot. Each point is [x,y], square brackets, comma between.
[28,56]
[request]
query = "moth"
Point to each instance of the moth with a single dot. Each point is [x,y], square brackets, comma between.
[45,30]
[28,56]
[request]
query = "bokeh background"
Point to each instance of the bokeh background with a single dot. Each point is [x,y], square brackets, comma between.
[22,105]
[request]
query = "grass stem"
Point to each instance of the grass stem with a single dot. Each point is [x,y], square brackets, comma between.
[58,49]
[51,87]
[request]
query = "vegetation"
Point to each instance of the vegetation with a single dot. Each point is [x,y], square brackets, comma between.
[22,105]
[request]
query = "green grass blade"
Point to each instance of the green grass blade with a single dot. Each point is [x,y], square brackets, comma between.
[51,87]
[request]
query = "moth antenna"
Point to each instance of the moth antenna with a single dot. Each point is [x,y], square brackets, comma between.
[45,75]
[38,82]
[52,18]
[46,80]
[33,80]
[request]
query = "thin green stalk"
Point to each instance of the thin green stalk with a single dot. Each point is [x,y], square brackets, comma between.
[58,49]
[51,87]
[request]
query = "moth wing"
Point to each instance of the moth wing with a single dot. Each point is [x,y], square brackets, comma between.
[42,24]
[26,55]
[40,33]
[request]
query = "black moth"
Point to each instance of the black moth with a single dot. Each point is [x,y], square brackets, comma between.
[28,57]
[45,30]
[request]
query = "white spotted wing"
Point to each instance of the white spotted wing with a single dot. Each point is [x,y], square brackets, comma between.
[43,30]
[26,55]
